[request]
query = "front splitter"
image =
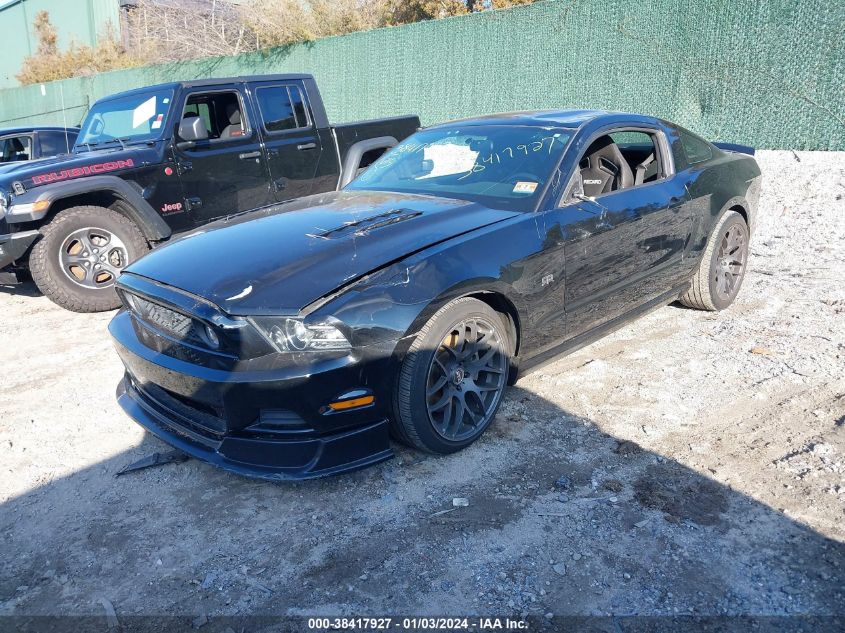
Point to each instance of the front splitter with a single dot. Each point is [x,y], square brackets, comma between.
[264,458]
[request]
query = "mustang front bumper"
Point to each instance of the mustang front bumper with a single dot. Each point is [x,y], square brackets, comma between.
[271,424]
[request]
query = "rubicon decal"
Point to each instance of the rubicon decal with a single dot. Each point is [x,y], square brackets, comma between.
[87,170]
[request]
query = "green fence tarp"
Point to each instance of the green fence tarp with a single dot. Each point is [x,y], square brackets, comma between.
[768,73]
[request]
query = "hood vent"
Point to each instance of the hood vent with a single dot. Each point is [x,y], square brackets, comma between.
[366,225]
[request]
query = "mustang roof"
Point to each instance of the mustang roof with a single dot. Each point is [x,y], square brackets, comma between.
[572,119]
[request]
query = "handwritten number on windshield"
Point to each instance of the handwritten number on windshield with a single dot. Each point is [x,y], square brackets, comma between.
[536,146]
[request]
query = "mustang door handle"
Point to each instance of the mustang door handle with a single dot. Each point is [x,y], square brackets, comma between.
[302,146]
[248,155]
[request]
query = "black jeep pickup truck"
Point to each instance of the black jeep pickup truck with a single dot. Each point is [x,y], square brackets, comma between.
[154,162]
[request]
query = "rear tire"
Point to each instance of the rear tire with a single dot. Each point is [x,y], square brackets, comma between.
[719,276]
[80,254]
[452,378]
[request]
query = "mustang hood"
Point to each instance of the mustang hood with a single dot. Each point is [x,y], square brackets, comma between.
[282,258]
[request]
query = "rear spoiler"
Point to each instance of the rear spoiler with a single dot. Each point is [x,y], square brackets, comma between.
[737,149]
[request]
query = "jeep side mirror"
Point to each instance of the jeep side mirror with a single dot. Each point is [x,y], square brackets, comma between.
[192,130]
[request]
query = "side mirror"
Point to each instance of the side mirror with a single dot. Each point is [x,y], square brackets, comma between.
[577,192]
[192,130]
[97,125]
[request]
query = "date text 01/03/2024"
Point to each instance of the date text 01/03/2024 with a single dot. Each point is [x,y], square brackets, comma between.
[418,624]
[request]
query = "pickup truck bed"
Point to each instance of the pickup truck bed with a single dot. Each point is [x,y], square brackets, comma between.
[354,139]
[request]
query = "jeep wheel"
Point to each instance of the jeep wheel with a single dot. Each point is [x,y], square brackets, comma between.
[80,255]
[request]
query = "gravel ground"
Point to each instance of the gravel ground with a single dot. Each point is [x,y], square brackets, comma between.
[691,463]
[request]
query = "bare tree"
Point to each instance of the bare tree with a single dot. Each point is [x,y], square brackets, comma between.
[174,30]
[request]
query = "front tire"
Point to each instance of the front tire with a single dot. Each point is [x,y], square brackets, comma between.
[80,255]
[452,378]
[717,280]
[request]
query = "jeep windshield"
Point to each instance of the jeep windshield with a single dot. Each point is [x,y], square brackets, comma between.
[499,166]
[128,119]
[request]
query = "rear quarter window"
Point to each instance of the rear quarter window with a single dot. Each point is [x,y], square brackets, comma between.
[696,149]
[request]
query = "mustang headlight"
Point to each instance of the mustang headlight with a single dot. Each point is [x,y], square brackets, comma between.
[288,334]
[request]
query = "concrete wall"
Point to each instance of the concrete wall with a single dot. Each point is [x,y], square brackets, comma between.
[80,21]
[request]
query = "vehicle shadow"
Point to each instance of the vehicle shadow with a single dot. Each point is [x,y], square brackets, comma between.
[26,288]
[558,517]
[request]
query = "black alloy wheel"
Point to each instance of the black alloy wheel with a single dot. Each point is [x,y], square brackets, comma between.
[466,377]
[730,260]
[452,378]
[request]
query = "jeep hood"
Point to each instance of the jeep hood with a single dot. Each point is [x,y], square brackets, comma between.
[282,258]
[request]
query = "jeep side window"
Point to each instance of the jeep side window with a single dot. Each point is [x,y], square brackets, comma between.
[282,108]
[15,148]
[222,113]
[200,110]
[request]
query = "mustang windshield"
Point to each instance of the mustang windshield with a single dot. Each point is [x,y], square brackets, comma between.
[126,119]
[500,166]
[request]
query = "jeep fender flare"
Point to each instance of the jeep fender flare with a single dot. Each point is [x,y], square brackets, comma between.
[356,152]
[136,207]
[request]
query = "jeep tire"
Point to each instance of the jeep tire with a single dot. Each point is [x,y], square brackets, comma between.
[80,254]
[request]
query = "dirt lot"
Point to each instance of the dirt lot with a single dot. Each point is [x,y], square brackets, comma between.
[691,463]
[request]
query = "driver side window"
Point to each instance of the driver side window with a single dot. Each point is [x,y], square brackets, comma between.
[221,113]
[620,160]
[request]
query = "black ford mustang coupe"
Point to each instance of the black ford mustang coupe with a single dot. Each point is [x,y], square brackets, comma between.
[294,340]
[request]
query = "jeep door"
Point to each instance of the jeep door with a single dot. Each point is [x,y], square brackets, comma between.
[292,142]
[227,172]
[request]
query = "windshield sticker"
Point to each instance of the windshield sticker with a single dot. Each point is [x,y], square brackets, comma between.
[448,159]
[144,112]
[525,187]
[157,123]
[165,100]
